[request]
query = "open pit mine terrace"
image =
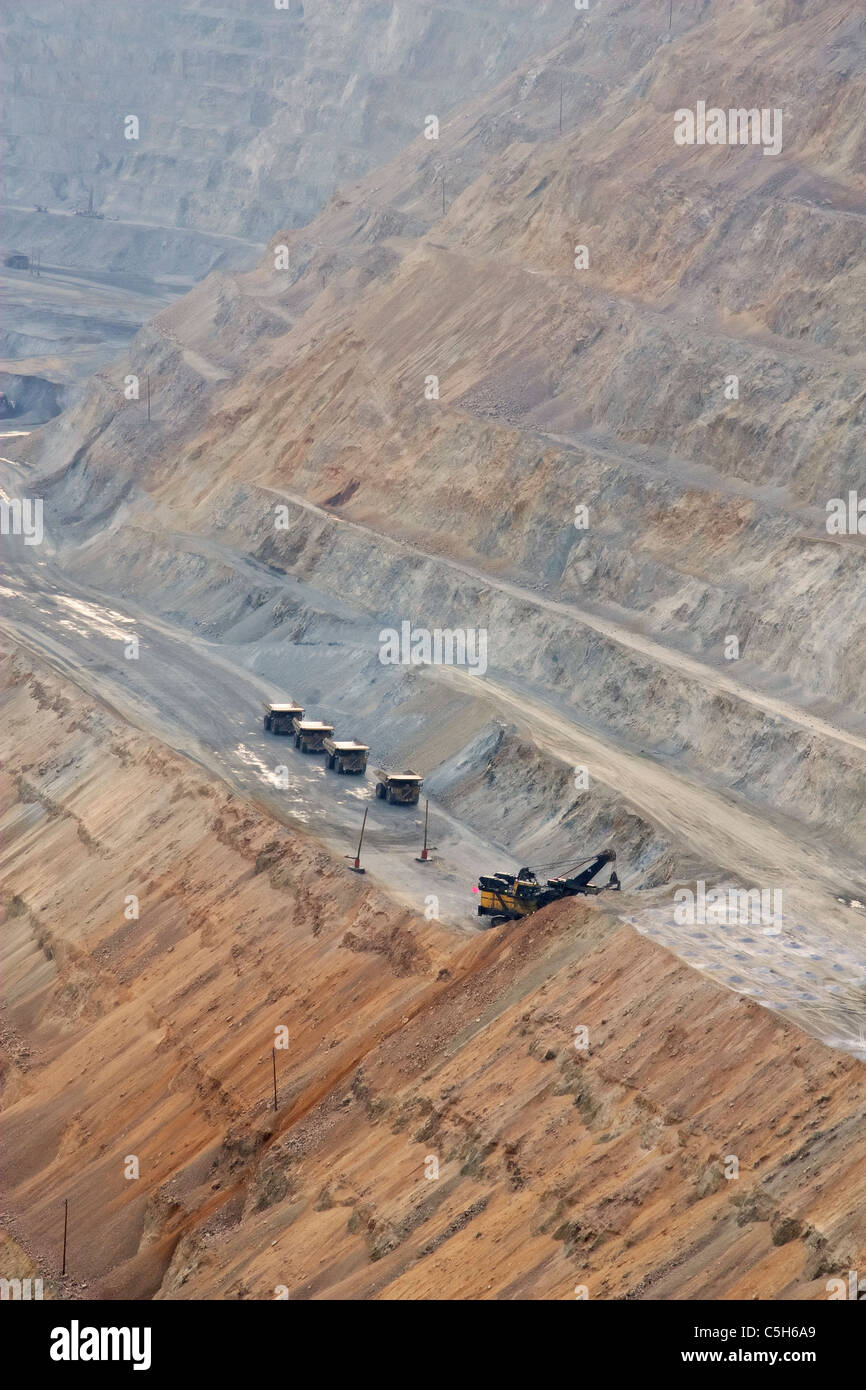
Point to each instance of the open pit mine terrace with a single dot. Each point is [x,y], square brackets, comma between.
[234,1069]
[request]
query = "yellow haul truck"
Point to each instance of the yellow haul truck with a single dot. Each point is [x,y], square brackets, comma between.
[401,788]
[345,755]
[310,735]
[279,718]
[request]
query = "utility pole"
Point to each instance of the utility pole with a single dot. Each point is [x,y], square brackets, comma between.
[443,195]
[65,1219]
[356,867]
[148,397]
[670,16]
[274,1055]
[422,857]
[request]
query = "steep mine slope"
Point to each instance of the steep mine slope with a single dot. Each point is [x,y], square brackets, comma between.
[557,387]
[248,117]
[249,114]
[417,1045]
[438,1133]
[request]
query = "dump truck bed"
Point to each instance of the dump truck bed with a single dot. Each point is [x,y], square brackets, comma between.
[280,716]
[399,787]
[346,755]
[310,734]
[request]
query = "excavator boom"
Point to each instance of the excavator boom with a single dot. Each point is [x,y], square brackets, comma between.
[580,882]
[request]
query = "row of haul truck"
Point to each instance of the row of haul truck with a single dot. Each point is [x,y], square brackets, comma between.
[345,756]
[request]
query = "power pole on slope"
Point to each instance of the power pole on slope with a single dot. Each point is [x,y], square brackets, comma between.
[423,857]
[356,867]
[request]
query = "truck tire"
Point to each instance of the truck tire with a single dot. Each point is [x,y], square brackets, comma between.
[267,723]
[331,760]
[380,791]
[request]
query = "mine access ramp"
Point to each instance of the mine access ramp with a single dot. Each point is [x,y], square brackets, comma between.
[508,897]
[345,755]
[279,719]
[401,788]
